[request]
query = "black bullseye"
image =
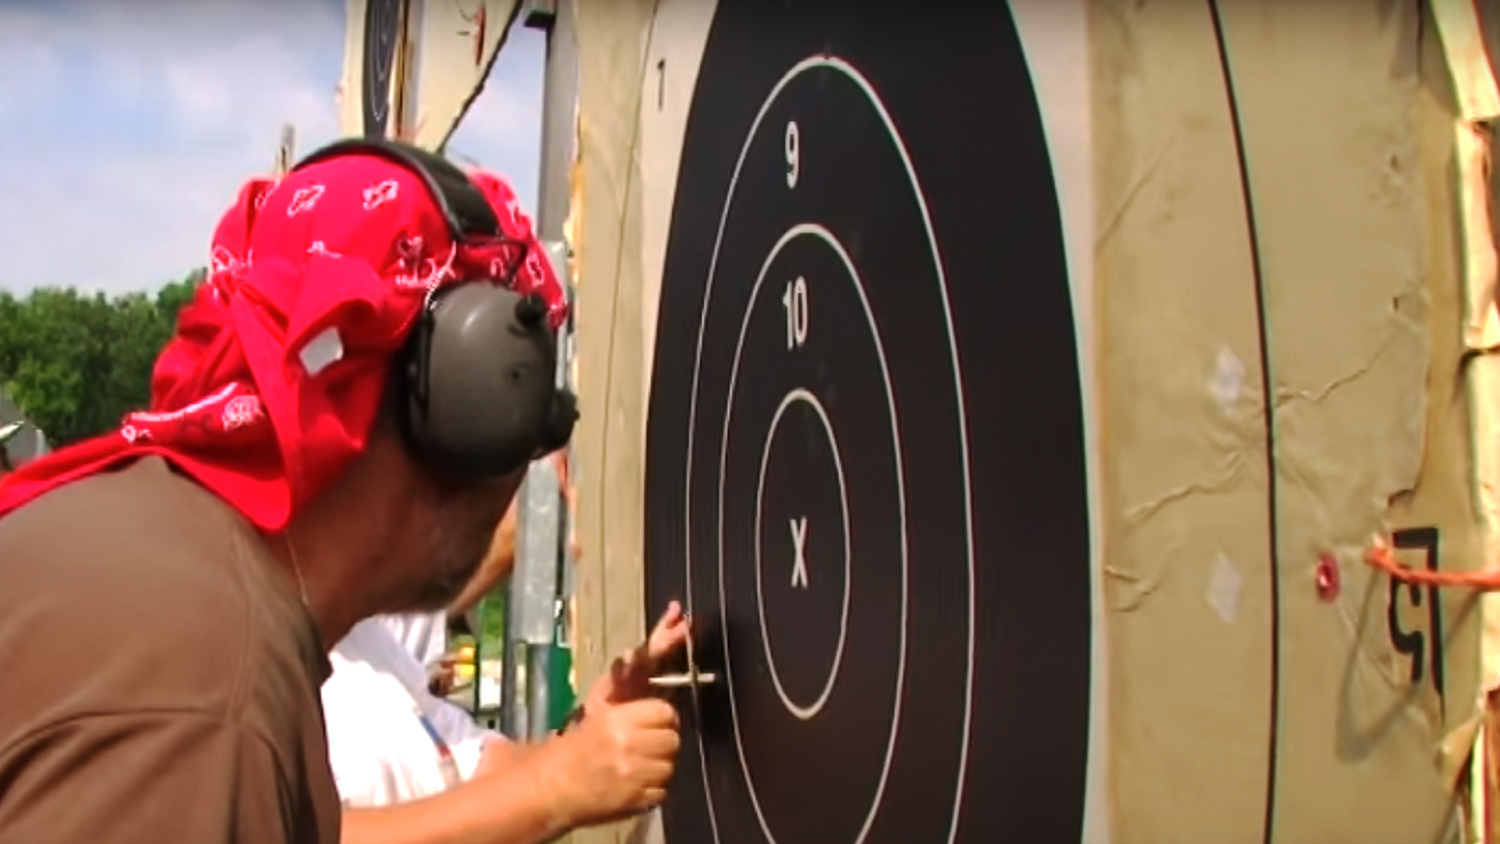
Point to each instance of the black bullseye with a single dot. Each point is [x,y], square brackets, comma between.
[804,391]
[866,353]
[802,560]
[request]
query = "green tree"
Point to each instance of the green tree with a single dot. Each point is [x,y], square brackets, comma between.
[77,363]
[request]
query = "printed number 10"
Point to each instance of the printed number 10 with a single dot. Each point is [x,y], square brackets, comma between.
[794,300]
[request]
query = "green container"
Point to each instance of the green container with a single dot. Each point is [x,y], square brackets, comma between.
[561,695]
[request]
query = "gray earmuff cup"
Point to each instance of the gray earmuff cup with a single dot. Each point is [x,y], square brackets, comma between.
[488,385]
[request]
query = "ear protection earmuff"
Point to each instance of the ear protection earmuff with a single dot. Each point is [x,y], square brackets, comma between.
[478,374]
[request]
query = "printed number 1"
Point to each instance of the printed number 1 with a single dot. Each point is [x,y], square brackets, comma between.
[794,300]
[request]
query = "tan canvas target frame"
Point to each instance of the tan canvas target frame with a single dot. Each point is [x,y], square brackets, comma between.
[1357,228]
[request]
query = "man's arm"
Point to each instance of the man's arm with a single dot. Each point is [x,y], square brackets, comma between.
[500,756]
[504,808]
[479,751]
[500,555]
[616,762]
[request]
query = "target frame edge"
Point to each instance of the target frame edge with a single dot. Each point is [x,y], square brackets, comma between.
[1056,41]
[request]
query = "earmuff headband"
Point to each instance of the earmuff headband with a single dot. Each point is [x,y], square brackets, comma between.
[477,375]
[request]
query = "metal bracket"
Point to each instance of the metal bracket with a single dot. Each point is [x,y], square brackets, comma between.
[538,543]
[539,14]
[541,577]
[558,253]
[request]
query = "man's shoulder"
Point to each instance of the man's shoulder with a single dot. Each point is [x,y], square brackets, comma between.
[139,552]
[130,590]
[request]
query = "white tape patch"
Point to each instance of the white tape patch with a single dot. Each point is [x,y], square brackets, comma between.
[1228,383]
[1224,588]
[322,350]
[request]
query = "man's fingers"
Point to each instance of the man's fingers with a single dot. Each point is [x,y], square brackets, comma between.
[669,618]
[653,797]
[658,773]
[650,713]
[629,672]
[625,666]
[666,642]
[661,743]
[652,774]
[670,633]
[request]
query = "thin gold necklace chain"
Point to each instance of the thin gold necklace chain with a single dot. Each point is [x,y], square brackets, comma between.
[291,551]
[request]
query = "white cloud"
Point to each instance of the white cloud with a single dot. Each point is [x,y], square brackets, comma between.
[24,49]
[131,125]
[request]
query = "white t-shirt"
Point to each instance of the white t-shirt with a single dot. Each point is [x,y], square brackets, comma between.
[390,740]
[424,635]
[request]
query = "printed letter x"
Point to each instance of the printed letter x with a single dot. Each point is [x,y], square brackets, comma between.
[799,542]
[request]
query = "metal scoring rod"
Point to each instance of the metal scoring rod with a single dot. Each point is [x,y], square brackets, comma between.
[691,678]
[672,681]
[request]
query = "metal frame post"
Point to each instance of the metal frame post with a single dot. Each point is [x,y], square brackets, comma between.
[540,586]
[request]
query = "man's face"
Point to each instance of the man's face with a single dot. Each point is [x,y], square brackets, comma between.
[440,530]
[459,525]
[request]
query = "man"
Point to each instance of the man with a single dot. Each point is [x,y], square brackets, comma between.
[415,769]
[168,590]
[393,743]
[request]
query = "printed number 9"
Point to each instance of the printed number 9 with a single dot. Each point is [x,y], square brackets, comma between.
[793,154]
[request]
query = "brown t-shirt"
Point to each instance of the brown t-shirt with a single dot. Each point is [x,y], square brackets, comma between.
[158,675]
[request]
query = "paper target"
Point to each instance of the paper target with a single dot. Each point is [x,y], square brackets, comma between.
[865,467]
[382,26]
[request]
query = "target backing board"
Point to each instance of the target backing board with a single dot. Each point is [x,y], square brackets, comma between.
[936,384]
[452,44]
[834,444]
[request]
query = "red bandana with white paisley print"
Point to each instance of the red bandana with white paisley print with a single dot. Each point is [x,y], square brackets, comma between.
[274,377]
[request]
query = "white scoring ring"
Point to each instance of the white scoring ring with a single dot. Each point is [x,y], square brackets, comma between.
[818,231]
[809,711]
[824,60]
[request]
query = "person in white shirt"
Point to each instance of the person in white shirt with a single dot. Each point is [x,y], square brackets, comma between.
[414,768]
[390,740]
[425,637]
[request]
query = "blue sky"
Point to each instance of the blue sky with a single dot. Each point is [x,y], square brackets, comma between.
[129,125]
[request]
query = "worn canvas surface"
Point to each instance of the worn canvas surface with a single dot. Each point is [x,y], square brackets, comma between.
[1251,223]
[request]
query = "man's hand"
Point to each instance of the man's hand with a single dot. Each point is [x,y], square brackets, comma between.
[620,757]
[617,762]
[441,681]
[629,675]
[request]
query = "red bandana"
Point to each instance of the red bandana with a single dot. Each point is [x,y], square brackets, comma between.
[274,377]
